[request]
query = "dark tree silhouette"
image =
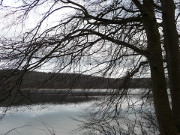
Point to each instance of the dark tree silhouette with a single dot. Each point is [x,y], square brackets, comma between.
[137,37]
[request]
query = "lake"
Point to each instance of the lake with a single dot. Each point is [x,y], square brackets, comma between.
[43,119]
[54,117]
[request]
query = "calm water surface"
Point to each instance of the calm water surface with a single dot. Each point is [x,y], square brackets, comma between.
[48,119]
[43,119]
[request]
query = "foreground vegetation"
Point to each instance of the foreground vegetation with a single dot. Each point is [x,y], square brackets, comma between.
[130,38]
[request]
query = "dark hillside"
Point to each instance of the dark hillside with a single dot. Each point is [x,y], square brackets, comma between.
[43,80]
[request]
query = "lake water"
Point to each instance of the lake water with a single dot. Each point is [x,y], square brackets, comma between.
[43,119]
[57,119]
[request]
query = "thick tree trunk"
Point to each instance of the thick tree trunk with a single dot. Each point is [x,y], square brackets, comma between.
[159,90]
[161,103]
[173,55]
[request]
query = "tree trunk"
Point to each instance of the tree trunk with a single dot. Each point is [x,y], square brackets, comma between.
[159,90]
[173,55]
[163,112]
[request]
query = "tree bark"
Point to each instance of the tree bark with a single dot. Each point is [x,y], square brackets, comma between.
[173,55]
[163,112]
[159,90]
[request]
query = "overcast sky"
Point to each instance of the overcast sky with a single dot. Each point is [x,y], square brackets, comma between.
[7,30]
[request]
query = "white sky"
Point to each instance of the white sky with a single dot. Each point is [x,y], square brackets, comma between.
[31,21]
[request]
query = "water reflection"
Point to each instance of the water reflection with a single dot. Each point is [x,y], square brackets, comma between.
[43,119]
[113,114]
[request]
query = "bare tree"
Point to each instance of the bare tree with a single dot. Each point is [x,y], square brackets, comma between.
[140,37]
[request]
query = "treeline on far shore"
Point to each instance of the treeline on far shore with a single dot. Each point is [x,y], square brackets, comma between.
[31,81]
[42,80]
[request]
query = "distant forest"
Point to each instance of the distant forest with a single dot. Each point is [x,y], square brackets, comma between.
[42,80]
